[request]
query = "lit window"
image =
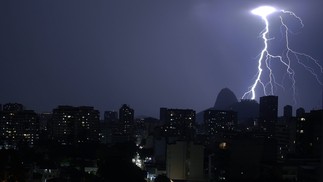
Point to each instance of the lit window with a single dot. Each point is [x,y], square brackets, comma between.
[223,145]
[301,131]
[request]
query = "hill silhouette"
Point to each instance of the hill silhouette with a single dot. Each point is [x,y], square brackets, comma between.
[225,99]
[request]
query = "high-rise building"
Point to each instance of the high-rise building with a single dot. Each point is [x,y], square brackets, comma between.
[87,125]
[14,107]
[185,161]
[126,114]
[44,119]
[288,111]
[18,125]
[110,126]
[268,113]
[285,131]
[178,122]
[283,140]
[217,121]
[309,134]
[63,125]
[126,119]
[71,125]
[300,111]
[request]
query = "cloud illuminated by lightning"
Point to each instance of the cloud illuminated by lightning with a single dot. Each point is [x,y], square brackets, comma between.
[263,11]
[285,58]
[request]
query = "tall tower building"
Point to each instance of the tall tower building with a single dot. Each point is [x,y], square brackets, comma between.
[300,111]
[288,111]
[268,113]
[87,124]
[126,119]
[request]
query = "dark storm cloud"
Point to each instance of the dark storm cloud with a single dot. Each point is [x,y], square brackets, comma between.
[148,54]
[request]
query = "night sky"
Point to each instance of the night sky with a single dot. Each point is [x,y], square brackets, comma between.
[148,54]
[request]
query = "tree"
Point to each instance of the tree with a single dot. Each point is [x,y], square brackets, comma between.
[117,164]
[162,178]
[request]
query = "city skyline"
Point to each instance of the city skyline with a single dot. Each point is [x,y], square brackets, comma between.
[73,141]
[149,55]
[222,96]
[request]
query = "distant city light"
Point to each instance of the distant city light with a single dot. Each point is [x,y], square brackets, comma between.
[223,145]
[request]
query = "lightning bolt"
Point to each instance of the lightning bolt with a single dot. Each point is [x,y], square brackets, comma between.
[268,82]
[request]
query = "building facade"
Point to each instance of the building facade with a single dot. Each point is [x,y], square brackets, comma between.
[217,121]
[309,134]
[178,122]
[126,119]
[185,161]
[18,126]
[268,114]
[72,125]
